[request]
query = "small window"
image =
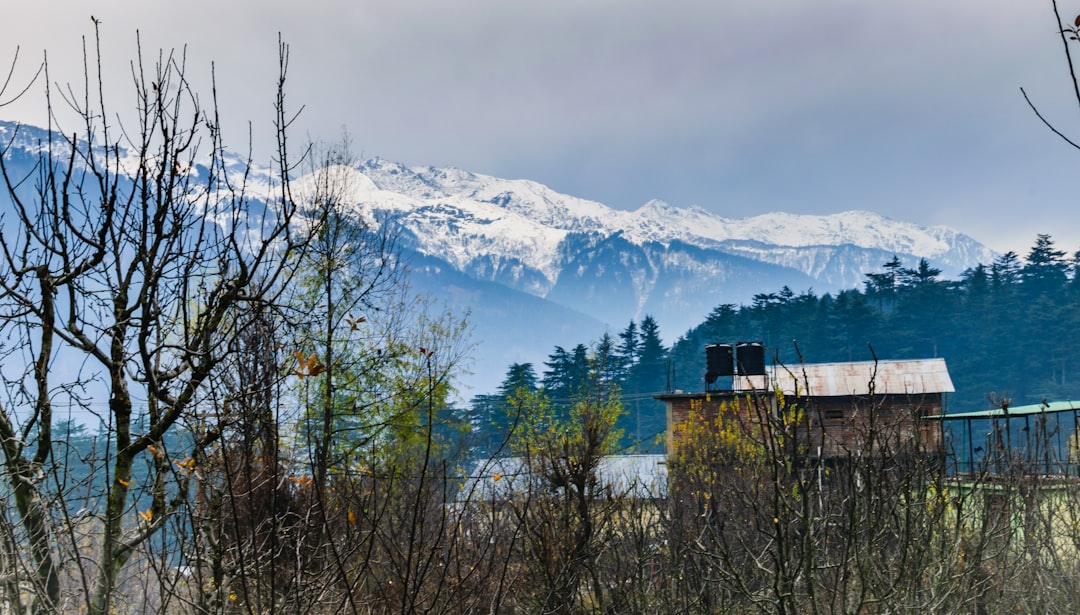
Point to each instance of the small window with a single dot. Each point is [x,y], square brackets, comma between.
[834,414]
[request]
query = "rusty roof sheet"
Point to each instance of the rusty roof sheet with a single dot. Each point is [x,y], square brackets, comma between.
[911,377]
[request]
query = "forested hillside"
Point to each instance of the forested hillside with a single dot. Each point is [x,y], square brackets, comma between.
[1007,329]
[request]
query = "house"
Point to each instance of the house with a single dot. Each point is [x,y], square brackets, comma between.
[843,408]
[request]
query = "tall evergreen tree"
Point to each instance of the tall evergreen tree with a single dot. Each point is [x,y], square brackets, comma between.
[1005,272]
[1046,270]
[628,350]
[502,410]
[646,416]
[606,367]
[893,268]
[567,375]
[580,366]
[880,287]
[921,276]
[650,373]
[519,376]
[557,376]
[495,416]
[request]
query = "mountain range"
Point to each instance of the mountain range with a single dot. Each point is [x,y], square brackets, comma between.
[537,268]
[527,259]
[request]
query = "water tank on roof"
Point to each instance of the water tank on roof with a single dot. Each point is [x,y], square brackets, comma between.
[719,361]
[750,358]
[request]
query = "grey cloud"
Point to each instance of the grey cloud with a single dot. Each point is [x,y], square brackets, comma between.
[739,106]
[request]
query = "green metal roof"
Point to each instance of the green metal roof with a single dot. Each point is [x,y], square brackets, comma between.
[1054,406]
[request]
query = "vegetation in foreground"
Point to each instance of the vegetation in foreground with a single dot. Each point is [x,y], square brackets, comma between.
[276,436]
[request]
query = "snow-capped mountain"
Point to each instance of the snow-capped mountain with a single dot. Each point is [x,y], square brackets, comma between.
[502,209]
[674,263]
[526,259]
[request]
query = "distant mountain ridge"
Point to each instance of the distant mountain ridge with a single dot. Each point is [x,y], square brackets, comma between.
[656,221]
[519,254]
[675,263]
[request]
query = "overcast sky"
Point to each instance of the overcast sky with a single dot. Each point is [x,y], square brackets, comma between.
[911,109]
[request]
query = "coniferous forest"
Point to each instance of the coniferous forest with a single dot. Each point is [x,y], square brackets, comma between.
[1008,330]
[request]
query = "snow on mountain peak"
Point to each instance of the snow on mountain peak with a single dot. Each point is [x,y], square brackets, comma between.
[675,263]
[859,228]
[469,218]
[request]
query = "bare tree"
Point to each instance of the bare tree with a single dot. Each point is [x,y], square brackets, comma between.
[568,514]
[131,256]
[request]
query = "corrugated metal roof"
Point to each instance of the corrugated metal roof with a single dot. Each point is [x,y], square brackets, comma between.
[911,377]
[1054,406]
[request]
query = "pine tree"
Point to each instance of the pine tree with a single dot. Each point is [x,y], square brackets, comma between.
[650,373]
[498,414]
[1005,272]
[580,367]
[606,365]
[1046,270]
[556,380]
[519,376]
[646,416]
[567,374]
[627,351]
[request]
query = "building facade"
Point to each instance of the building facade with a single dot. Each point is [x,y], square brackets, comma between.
[837,409]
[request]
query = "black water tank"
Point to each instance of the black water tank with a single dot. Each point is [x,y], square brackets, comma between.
[719,361]
[750,357]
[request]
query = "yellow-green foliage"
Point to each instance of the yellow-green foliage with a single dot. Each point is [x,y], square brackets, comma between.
[727,440]
[587,428]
